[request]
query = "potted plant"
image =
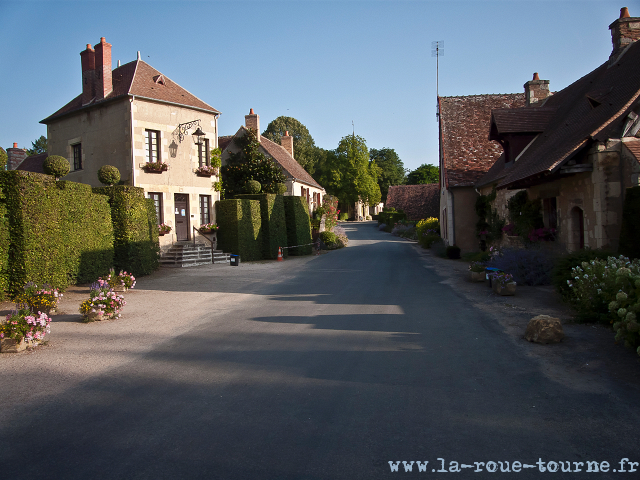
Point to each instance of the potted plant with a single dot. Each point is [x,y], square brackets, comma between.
[155,167]
[477,272]
[208,228]
[103,302]
[121,282]
[21,328]
[163,229]
[206,171]
[43,298]
[503,284]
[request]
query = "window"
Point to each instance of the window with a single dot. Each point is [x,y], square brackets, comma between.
[205,216]
[77,156]
[152,145]
[203,153]
[550,212]
[157,201]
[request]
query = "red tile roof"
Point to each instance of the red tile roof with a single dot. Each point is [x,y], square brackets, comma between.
[634,147]
[417,201]
[466,151]
[33,163]
[138,78]
[520,120]
[578,120]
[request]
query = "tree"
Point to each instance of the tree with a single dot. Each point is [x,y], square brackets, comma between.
[3,159]
[250,164]
[303,144]
[391,169]
[353,177]
[424,174]
[38,146]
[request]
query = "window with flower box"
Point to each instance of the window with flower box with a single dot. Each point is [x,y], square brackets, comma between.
[157,202]
[152,146]
[203,153]
[205,210]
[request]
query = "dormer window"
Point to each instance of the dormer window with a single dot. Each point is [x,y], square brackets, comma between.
[159,79]
[593,102]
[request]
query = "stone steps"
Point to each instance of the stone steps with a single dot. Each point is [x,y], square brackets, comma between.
[186,254]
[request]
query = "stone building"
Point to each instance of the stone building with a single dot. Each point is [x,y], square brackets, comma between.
[578,149]
[133,116]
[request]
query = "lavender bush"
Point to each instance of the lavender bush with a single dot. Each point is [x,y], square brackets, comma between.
[529,266]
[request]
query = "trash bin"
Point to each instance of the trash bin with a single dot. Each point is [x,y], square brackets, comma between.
[489,272]
[234,260]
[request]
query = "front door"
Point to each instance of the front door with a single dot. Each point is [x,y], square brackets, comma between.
[181,202]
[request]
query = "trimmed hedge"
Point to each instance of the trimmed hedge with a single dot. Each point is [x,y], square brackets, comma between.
[4,247]
[274,225]
[296,213]
[54,232]
[135,230]
[630,231]
[391,218]
[240,228]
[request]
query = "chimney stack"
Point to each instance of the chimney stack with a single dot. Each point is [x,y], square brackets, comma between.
[624,31]
[536,90]
[88,59]
[287,143]
[252,121]
[15,156]
[104,84]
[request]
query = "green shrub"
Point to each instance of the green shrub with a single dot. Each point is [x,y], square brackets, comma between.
[476,257]
[298,225]
[328,238]
[3,158]
[280,188]
[56,165]
[489,224]
[428,240]
[108,175]
[439,248]
[427,231]
[343,217]
[252,187]
[561,274]
[630,231]
[240,228]
[524,214]
[391,217]
[273,223]
[453,251]
[135,229]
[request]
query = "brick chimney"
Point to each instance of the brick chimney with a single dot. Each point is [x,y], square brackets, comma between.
[624,31]
[287,142]
[15,156]
[88,59]
[536,90]
[253,121]
[104,84]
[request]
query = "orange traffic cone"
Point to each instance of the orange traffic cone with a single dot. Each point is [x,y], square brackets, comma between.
[280,259]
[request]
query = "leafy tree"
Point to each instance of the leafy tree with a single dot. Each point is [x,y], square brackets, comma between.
[424,174]
[303,144]
[3,159]
[250,164]
[38,146]
[353,178]
[391,169]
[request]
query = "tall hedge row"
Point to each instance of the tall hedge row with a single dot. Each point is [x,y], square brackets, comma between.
[274,225]
[630,231]
[391,218]
[240,228]
[135,229]
[58,232]
[4,247]
[298,225]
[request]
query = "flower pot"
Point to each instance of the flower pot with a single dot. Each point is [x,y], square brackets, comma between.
[478,276]
[120,288]
[202,174]
[153,171]
[11,345]
[508,289]
[95,316]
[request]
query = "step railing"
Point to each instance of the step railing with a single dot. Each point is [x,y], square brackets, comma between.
[213,241]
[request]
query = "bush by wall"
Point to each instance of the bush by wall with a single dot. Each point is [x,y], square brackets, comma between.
[55,232]
[298,225]
[453,251]
[561,275]
[630,232]
[4,247]
[273,224]
[135,229]
[240,228]
[391,217]
[529,266]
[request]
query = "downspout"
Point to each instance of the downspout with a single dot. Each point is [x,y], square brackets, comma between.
[133,159]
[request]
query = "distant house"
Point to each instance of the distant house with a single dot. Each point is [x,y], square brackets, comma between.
[417,201]
[578,149]
[133,116]
[299,182]
[466,154]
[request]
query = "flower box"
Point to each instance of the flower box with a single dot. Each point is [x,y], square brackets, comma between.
[11,345]
[478,276]
[94,316]
[155,167]
[504,290]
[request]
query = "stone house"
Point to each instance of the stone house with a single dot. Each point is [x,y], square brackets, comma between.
[578,149]
[133,116]
[299,182]
[466,154]
[417,201]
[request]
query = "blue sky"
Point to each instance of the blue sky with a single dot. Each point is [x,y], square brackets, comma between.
[326,63]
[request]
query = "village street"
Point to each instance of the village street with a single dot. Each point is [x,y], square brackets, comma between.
[321,367]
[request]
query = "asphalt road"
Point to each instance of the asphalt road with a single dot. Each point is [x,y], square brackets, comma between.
[322,367]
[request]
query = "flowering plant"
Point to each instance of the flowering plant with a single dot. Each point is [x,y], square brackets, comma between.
[102,299]
[477,267]
[156,166]
[39,298]
[21,323]
[123,279]
[510,229]
[164,228]
[208,228]
[207,170]
[329,208]
[503,279]
[544,234]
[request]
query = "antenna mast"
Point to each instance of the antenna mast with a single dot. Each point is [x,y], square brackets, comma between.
[437,50]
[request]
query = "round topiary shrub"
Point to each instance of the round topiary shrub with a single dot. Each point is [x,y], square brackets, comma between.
[281,188]
[56,165]
[109,175]
[252,186]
